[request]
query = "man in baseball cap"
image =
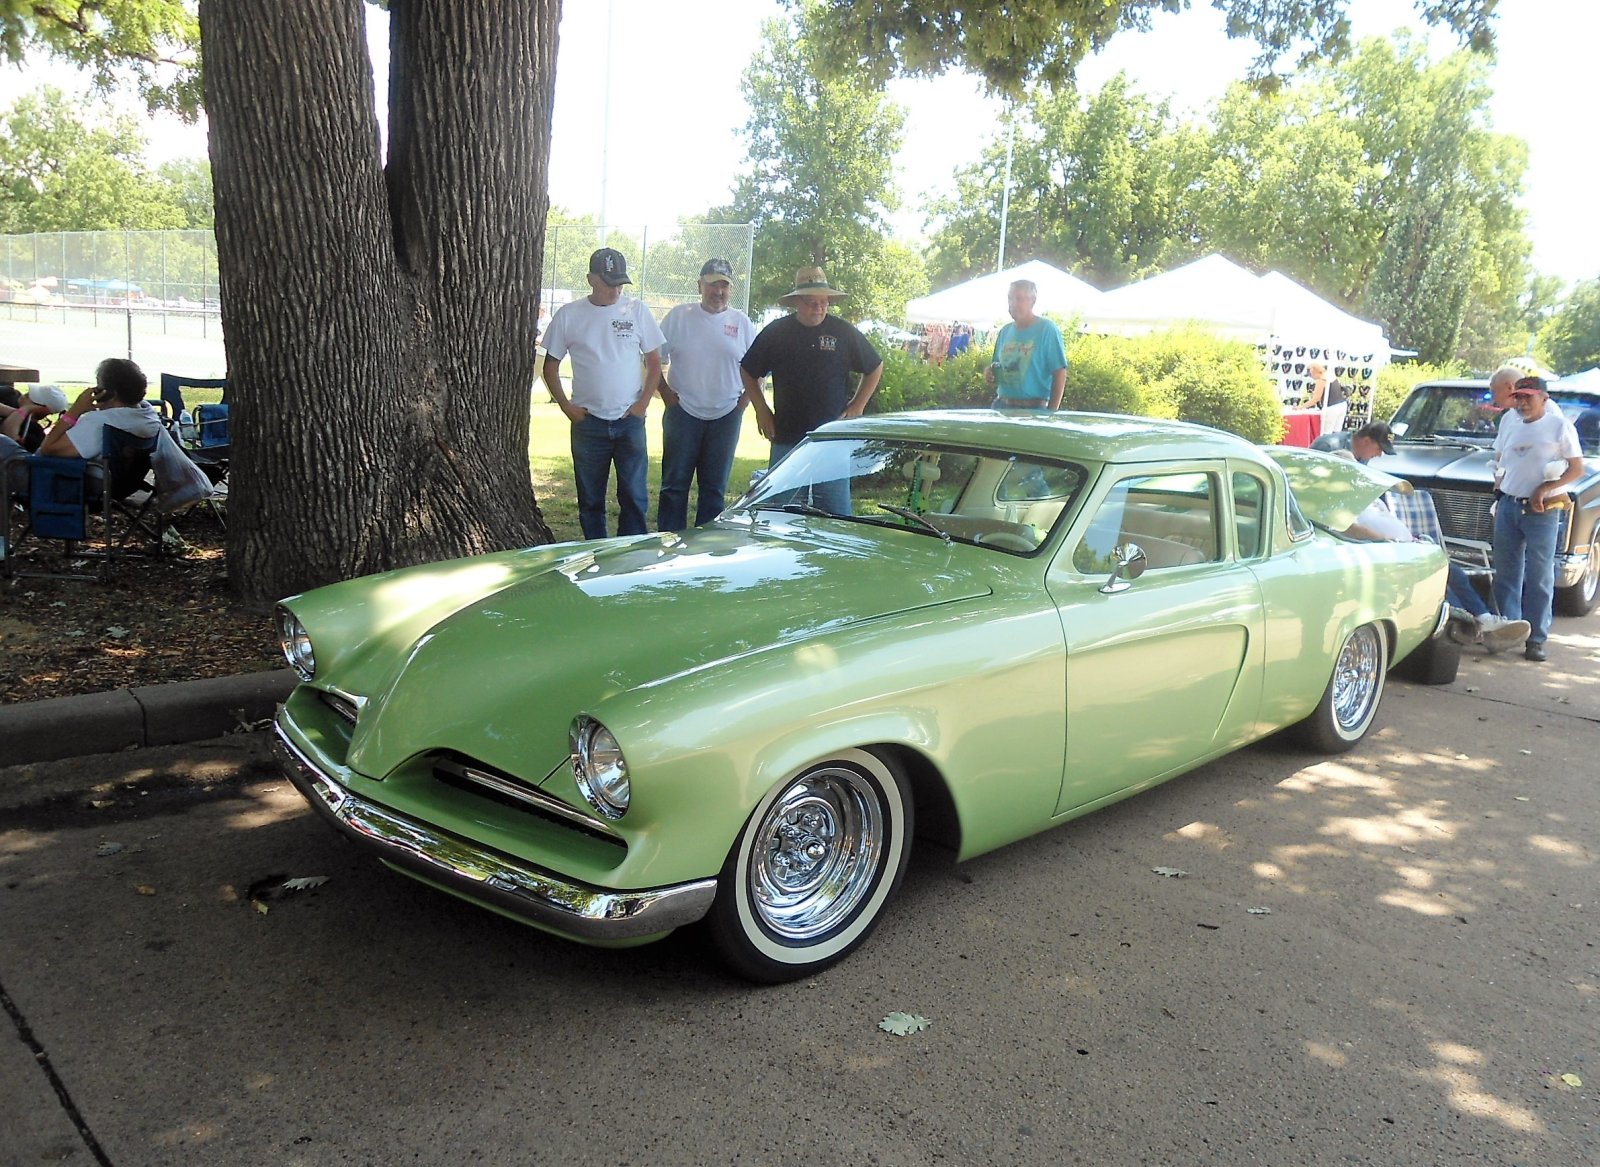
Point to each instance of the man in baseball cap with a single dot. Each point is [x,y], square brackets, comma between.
[610,266]
[22,421]
[705,399]
[607,336]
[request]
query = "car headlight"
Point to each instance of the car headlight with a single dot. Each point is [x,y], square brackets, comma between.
[599,767]
[296,645]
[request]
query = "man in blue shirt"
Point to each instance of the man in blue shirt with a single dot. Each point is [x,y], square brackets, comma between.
[1030,362]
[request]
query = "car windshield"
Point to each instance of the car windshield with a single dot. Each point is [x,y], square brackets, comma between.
[1004,501]
[1466,413]
[1448,412]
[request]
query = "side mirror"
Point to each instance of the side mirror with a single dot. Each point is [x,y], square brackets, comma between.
[1131,562]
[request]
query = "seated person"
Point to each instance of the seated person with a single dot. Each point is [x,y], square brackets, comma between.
[116,399]
[1471,622]
[22,420]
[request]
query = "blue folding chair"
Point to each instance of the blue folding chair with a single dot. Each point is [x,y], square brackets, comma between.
[57,498]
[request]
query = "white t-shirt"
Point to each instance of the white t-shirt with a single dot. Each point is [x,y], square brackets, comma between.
[605,344]
[704,349]
[1525,448]
[88,436]
[1378,520]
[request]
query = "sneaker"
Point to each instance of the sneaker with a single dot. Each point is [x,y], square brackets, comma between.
[1534,650]
[1462,628]
[1497,634]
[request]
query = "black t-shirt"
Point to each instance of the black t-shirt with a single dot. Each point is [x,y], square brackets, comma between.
[810,369]
[1337,391]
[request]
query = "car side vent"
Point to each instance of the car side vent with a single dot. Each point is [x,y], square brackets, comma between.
[472,778]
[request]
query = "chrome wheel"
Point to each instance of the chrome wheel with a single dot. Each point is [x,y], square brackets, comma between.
[1350,702]
[1358,678]
[816,864]
[818,852]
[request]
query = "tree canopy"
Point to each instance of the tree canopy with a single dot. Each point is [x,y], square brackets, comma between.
[1570,339]
[1012,44]
[1374,180]
[816,183]
[65,167]
[151,45]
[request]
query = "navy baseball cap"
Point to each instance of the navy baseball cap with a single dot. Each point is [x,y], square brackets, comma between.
[608,264]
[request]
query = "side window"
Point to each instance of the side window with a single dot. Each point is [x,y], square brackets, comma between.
[1172,517]
[1249,511]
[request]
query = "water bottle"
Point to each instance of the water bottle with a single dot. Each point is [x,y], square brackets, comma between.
[186,427]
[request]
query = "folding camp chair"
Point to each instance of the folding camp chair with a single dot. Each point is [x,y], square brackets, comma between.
[206,438]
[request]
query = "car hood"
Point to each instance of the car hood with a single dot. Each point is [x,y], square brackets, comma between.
[1471,466]
[1330,488]
[500,678]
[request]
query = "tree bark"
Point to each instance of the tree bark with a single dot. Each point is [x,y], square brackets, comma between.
[380,321]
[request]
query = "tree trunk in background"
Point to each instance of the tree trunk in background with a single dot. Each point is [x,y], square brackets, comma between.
[380,323]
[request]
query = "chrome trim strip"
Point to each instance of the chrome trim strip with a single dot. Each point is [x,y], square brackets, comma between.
[528,794]
[518,889]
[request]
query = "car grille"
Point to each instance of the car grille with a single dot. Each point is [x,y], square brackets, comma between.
[1464,514]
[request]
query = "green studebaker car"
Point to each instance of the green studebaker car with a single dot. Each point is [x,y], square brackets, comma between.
[969,626]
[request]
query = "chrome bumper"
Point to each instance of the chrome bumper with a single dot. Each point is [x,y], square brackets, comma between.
[498,881]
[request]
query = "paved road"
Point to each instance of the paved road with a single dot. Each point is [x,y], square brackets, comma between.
[1427,972]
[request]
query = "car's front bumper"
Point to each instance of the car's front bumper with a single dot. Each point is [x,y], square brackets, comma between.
[520,890]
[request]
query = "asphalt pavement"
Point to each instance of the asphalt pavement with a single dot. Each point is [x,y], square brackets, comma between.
[1385,958]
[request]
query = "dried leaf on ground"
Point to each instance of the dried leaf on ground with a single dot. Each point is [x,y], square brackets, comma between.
[904,1024]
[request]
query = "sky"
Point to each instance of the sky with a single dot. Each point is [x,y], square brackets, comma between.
[672,69]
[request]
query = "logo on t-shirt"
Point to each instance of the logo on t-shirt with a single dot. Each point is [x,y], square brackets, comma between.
[622,330]
[828,344]
[730,330]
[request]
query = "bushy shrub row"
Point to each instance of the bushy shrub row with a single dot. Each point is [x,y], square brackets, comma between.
[1188,375]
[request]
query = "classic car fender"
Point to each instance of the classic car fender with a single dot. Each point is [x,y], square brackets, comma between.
[704,747]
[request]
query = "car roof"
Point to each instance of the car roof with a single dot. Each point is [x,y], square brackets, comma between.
[1096,437]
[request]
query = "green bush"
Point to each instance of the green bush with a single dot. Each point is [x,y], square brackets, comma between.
[1101,380]
[1196,377]
[1395,381]
[909,382]
[1187,374]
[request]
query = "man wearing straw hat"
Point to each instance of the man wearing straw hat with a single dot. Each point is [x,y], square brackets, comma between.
[810,357]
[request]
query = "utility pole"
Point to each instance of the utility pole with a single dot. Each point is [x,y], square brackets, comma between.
[1005,193]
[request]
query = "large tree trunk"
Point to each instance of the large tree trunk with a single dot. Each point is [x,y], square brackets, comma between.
[380,324]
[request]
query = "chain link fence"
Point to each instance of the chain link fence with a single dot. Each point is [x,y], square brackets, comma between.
[69,299]
[664,265]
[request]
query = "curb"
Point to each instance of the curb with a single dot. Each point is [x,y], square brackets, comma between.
[151,715]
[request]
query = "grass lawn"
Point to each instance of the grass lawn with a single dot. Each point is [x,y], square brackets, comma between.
[550,457]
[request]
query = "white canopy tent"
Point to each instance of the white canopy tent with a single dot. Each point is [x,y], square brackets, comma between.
[981,302]
[1588,379]
[1219,295]
[1212,292]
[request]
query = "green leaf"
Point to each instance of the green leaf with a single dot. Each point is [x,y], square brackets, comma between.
[903,1024]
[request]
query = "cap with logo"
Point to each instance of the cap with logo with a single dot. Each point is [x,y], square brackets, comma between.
[608,264]
[717,269]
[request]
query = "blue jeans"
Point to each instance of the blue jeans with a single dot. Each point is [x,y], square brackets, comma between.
[832,496]
[1461,594]
[1525,564]
[596,445]
[695,449]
